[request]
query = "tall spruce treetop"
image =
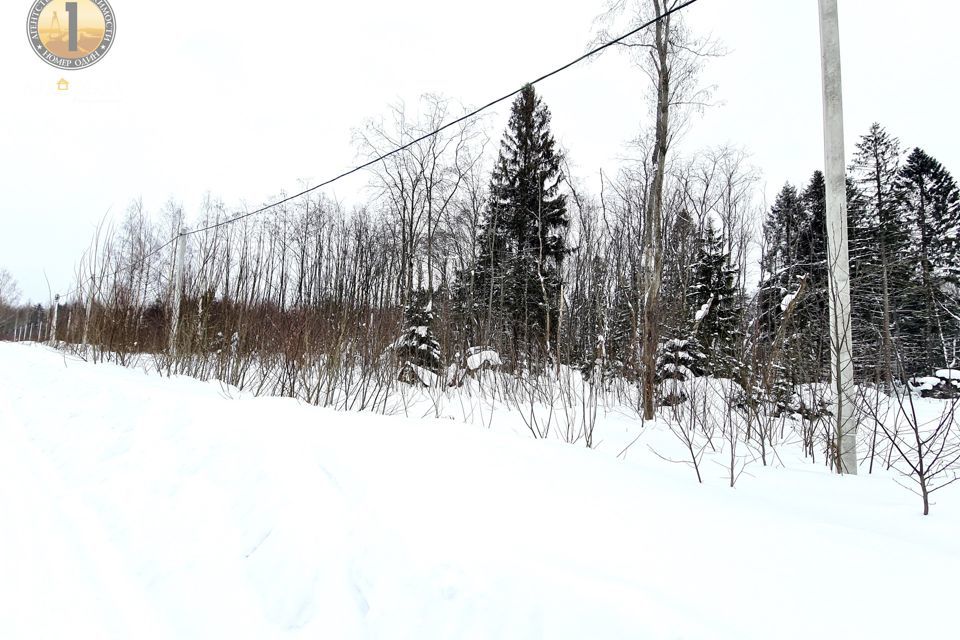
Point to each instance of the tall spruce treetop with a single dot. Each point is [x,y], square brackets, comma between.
[879,247]
[931,201]
[796,253]
[812,252]
[522,239]
[876,165]
[781,233]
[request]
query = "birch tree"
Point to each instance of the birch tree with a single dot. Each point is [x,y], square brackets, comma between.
[671,58]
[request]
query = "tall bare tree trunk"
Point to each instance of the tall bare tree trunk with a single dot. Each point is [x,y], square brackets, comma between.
[653,217]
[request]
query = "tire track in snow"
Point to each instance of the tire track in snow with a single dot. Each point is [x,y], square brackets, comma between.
[61,576]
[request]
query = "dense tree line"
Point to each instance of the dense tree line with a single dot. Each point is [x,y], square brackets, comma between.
[904,217]
[533,267]
[9,297]
[647,277]
[520,259]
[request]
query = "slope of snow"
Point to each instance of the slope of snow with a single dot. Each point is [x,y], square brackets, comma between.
[138,506]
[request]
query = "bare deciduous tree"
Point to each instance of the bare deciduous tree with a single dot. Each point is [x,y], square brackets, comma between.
[672,60]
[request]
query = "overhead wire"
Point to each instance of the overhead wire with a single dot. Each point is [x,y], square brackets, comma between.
[452,123]
[468,116]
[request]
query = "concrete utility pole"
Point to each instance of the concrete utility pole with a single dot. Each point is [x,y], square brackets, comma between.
[177,289]
[53,325]
[838,258]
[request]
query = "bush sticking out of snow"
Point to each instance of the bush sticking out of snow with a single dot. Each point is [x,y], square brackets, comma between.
[414,374]
[478,358]
[943,384]
[949,384]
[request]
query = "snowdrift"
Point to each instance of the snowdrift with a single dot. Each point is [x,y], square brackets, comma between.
[138,506]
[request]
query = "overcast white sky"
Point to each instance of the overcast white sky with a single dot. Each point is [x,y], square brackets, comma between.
[245,99]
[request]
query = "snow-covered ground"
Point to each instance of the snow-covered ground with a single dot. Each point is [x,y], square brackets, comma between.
[137,506]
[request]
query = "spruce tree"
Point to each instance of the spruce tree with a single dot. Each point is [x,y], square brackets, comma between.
[680,253]
[803,353]
[865,292]
[418,345]
[811,321]
[679,360]
[522,239]
[794,347]
[719,306]
[38,315]
[930,202]
[780,263]
[781,233]
[880,251]
[621,338]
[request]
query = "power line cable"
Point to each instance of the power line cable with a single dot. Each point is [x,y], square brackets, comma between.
[452,123]
[425,136]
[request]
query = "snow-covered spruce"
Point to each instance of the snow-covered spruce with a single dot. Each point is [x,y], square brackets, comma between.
[417,350]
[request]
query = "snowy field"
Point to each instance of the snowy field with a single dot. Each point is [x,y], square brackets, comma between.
[137,506]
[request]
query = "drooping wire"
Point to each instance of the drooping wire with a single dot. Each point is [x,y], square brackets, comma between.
[438,130]
[446,126]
